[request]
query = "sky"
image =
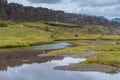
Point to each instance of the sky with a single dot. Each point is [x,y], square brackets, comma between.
[107,8]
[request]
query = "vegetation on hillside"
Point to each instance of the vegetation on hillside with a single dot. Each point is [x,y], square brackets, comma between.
[15,35]
[34,33]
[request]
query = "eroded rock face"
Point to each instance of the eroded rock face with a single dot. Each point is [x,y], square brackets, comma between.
[3,8]
[21,13]
[18,12]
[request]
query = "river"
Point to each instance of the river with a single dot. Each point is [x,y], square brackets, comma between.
[22,64]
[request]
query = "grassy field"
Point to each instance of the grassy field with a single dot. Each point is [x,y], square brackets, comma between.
[69,50]
[61,32]
[111,58]
[34,33]
[15,35]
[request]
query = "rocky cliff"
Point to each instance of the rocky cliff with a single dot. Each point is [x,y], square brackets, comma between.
[18,12]
[3,8]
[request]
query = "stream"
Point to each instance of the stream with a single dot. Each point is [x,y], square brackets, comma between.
[24,64]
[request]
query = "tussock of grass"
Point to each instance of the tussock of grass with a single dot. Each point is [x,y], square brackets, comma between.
[2,24]
[106,58]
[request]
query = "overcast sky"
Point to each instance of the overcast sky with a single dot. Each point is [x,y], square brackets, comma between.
[107,8]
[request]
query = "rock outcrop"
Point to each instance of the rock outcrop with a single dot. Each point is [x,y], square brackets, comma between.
[18,12]
[3,8]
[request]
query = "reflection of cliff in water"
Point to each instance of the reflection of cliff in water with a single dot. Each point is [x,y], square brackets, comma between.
[18,58]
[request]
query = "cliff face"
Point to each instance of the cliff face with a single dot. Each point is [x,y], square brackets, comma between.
[3,8]
[18,12]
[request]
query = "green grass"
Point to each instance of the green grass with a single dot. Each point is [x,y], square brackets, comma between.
[17,36]
[107,52]
[69,50]
[111,58]
[86,48]
[105,47]
[34,33]
[98,45]
[2,24]
[61,32]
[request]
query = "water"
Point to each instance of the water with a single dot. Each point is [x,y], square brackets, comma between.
[23,65]
[56,45]
[45,71]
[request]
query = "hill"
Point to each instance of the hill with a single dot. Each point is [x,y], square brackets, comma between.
[34,33]
[102,17]
[24,26]
[116,19]
[18,12]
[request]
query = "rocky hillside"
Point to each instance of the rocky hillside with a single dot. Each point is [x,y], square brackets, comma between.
[18,12]
[3,8]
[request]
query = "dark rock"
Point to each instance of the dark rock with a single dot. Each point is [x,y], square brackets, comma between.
[18,12]
[3,8]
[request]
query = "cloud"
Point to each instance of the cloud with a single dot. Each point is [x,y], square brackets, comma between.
[97,3]
[45,1]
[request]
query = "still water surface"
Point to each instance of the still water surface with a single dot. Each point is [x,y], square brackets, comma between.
[56,45]
[45,70]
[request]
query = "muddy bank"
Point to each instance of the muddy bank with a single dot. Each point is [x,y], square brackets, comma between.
[80,54]
[88,67]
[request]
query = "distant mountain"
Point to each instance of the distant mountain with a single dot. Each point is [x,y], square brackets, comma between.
[116,19]
[102,17]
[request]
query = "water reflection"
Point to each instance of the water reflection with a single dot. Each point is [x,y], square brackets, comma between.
[56,45]
[18,56]
[21,57]
[45,71]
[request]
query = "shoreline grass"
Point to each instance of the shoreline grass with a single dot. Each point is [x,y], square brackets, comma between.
[69,50]
[111,58]
[24,43]
[107,52]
